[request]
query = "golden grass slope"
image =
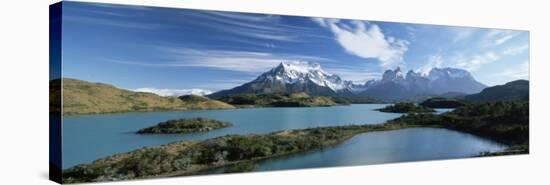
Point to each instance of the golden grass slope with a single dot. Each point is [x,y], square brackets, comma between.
[81,97]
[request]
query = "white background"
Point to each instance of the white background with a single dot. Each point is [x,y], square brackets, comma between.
[24,91]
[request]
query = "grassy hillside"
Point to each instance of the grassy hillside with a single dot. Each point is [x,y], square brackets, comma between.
[514,90]
[506,122]
[196,102]
[278,100]
[81,97]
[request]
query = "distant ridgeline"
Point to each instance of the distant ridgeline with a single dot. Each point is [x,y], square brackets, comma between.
[81,97]
[512,91]
[278,100]
[515,90]
[295,85]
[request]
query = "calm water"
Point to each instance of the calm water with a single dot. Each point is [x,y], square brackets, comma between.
[89,137]
[389,146]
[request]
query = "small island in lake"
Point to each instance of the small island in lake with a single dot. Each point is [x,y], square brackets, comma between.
[182,126]
[406,107]
[441,102]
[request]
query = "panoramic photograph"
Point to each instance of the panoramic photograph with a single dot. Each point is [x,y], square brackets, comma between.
[149,92]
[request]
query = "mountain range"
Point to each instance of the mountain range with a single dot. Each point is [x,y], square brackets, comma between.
[298,82]
[439,81]
[393,85]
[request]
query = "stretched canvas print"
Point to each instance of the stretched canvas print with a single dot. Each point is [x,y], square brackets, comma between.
[142,92]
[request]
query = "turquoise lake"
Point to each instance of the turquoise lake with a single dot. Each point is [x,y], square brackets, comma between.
[89,137]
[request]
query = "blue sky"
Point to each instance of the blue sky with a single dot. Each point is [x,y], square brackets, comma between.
[177,49]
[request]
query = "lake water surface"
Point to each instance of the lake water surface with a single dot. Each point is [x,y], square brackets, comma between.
[89,137]
[414,144]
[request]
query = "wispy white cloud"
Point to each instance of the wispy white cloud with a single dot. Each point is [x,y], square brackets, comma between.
[251,26]
[231,60]
[240,25]
[140,63]
[521,72]
[173,92]
[246,16]
[219,84]
[356,75]
[106,12]
[515,50]
[462,33]
[483,47]
[474,62]
[493,33]
[244,61]
[117,6]
[113,22]
[504,39]
[477,48]
[434,61]
[412,32]
[366,40]
[498,37]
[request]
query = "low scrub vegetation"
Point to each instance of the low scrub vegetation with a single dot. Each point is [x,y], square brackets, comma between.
[506,122]
[406,107]
[440,102]
[278,100]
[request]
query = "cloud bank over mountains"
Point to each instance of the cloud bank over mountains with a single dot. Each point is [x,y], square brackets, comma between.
[174,92]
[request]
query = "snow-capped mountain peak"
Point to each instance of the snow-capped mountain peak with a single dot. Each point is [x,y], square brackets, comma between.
[299,66]
[393,75]
[411,74]
[439,73]
[291,72]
